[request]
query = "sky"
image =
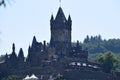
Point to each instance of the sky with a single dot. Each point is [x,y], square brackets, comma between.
[23,19]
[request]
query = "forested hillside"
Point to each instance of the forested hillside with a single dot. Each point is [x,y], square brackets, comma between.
[95,44]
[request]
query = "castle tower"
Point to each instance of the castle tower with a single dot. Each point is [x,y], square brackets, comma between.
[21,56]
[13,57]
[61,33]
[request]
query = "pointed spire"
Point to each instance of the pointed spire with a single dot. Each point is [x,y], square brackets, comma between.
[13,56]
[60,16]
[69,18]
[52,18]
[44,45]
[77,43]
[69,22]
[6,55]
[29,49]
[13,47]
[21,55]
[34,41]
[51,21]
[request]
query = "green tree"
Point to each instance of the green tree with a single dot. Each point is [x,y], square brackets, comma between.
[59,77]
[12,77]
[96,44]
[109,61]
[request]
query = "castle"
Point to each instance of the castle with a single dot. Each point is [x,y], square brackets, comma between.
[55,57]
[60,45]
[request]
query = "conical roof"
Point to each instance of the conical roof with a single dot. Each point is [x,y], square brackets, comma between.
[34,41]
[20,53]
[52,17]
[69,18]
[60,16]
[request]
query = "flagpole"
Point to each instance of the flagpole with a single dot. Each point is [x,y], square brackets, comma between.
[60,2]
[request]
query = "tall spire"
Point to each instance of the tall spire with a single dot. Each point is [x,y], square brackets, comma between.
[69,18]
[13,47]
[69,21]
[21,55]
[34,41]
[60,16]
[52,18]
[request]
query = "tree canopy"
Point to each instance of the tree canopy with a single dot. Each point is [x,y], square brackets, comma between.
[95,44]
[109,61]
[59,77]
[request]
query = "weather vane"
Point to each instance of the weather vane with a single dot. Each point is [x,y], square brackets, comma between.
[60,2]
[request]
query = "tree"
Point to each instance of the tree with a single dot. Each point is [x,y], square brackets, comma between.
[96,44]
[59,77]
[2,2]
[12,77]
[86,40]
[109,61]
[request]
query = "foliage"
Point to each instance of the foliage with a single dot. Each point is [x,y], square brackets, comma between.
[13,77]
[59,77]
[93,57]
[95,44]
[109,61]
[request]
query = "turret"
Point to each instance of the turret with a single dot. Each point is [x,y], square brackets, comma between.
[44,45]
[13,57]
[52,18]
[6,58]
[61,33]
[29,49]
[52,21]
[77,44]
[69,22]
[13,48]
[69,19]
[34,41]
[21,56]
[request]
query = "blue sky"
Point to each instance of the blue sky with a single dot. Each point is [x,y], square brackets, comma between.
[22,19]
